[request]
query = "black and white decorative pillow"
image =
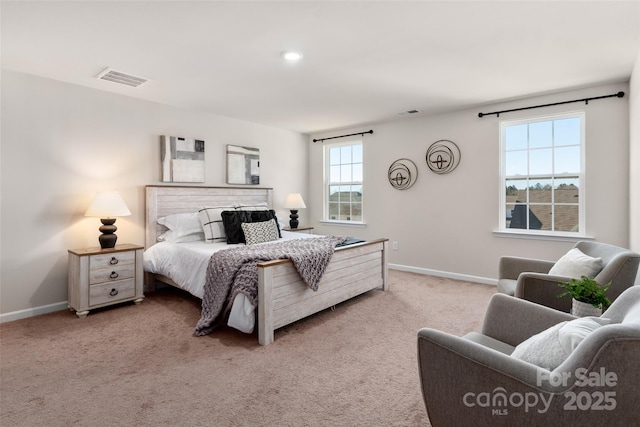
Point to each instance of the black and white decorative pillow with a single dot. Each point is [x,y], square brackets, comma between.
[260,232]
[265,215]
[211,221]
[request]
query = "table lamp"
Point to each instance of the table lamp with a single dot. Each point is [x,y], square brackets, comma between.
[107,206]
[294,202]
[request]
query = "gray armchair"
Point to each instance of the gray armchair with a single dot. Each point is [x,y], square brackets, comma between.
[529,279]
[474,380]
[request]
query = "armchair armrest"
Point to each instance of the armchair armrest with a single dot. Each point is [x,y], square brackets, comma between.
[504,319]
[510,267]
[543,289]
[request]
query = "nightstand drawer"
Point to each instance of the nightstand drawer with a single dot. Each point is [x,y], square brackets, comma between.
[111,260]
[116,272]
[111,292]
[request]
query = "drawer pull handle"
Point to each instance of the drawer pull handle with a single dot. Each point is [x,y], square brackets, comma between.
[113,292]
[113,275]
[113,261]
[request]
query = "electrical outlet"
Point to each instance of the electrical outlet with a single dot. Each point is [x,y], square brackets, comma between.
[394,246]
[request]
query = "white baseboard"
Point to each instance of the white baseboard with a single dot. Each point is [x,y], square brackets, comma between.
[50,308]
[446,274]
[35,311]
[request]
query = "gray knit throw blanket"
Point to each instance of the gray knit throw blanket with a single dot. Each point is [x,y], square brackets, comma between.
[233,271]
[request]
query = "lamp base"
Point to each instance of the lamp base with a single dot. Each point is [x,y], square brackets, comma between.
[293,221]
[108,238]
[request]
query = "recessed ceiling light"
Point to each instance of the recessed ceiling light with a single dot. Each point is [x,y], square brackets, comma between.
[291,56]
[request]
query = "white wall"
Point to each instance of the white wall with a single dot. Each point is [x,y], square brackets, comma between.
[63,143]
[444,223]
[634,160]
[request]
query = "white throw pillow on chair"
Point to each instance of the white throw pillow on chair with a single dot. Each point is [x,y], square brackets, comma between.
[576,264]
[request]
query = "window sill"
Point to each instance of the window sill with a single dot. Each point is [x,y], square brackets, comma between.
[560,237]
[344,223]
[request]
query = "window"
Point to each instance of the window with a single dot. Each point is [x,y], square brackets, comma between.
[542,175]
[343,182]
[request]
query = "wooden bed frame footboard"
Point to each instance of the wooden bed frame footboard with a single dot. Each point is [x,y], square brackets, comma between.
[283,297]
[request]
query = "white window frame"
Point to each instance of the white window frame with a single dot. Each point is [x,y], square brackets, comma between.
[327,184]
[502,220]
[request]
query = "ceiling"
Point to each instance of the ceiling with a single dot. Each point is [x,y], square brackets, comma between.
[364,61]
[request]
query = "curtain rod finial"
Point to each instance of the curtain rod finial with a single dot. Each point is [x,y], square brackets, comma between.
[620,94]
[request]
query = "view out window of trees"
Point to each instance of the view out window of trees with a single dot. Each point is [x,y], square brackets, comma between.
[542,171]
[343,178]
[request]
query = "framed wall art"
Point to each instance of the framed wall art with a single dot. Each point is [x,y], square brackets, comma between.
[182,159]
[243,165]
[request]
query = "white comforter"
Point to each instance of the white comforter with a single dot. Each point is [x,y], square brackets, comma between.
[186,264]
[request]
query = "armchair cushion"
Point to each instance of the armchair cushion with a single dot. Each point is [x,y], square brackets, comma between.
[576,264]
[489,342]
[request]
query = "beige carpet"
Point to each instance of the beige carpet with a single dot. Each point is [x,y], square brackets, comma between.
[141,365]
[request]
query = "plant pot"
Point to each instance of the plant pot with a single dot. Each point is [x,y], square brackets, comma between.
[582,309]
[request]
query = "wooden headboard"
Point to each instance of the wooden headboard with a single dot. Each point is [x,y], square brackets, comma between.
[163,200]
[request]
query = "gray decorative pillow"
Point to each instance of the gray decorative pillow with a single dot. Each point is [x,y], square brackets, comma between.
[260,232]
[211,222]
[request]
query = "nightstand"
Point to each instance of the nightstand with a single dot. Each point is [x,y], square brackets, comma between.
[101,277]
[308,230]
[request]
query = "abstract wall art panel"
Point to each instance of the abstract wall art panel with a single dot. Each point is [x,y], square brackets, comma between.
[243,165]
[182,159]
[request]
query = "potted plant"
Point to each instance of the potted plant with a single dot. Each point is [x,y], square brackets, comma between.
[589,297]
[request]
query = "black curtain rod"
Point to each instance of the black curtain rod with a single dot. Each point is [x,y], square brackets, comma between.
[585,100]
[342,136]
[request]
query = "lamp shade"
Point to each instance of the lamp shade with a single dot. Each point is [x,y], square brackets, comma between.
[294,201]
[108,205]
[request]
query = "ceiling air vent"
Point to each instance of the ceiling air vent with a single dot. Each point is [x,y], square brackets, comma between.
[111,75]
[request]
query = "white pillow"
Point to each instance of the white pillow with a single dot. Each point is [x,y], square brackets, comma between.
[182,224]
[173,237]
[549,348]
[211,223]
[260,232]
[574,332]
[576,264]
[543,349]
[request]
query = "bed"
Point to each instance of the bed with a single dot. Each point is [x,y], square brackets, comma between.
[283,297]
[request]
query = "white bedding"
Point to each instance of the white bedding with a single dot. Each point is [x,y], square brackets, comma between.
[186,264]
